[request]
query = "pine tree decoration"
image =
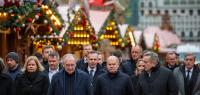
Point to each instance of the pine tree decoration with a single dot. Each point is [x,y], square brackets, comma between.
[80,31]
[112,33]
[156,43]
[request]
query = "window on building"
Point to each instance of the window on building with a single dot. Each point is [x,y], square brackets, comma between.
[182,34]
[183,11]
[191,1]
[199,34]
[166,11]
[150,4]
[199,12]
[191,34]
[191,12]
[142,12]
[150,12]
[198,1]
[167,2]
[158,12]
[174,11]
[174,2]
[142,4]
[183,1]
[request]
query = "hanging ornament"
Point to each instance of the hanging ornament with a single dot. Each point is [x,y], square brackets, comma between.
[39,14]
[45,21]
[36,17]
[59,47]
[29,19]
[23,25]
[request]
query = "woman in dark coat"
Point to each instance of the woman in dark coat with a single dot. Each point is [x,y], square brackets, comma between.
[6,82]
[139,68]
[32,81]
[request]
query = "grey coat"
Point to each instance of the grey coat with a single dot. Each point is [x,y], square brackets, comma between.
[180,81]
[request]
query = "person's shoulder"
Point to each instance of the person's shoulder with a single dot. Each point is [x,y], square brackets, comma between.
[5,76]
[82,73]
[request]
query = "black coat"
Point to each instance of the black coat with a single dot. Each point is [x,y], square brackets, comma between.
[100,70]
[161,81]
[36,86]
[80,64]
[81,87]
[128,67]
[118,84]
[6,85]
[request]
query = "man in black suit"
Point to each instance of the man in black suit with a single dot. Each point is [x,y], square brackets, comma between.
[92,67]
[86,49]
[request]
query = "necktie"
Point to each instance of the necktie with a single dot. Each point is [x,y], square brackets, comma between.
[91,73]
[188,77]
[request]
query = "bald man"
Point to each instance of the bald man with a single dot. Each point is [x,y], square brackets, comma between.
[113,82]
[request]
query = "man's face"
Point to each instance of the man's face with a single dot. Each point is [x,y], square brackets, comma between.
[92,60]
[31,66]
[46,52]
[148,63]
[87,49]
[112,66]
[189,61]
[135,53]
[171,59]
[69,65]
[10,63]
[53,62]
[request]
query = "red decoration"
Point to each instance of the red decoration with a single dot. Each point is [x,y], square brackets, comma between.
[29,19]
[17,29]
[39,14]
[93,37]
[96,2]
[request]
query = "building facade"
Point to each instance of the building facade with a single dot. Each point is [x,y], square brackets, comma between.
[182,15]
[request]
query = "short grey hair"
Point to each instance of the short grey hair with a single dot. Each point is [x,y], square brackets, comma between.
[113,57]
[153,56]
[69,56]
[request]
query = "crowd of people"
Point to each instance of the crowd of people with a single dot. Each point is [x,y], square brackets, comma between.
[142,74]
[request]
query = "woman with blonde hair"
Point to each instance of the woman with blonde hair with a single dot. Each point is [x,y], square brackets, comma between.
[6,82]
[32,81]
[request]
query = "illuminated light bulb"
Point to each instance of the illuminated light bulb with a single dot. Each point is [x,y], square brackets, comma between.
[107,28]
[120,40]
[113,23]
[55,23]
[74,28]
[47,12]
[50,12]
[111,28]
[85,35]
[4,14]
[0,13]
[88,35]
[11,15]
[116,32]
